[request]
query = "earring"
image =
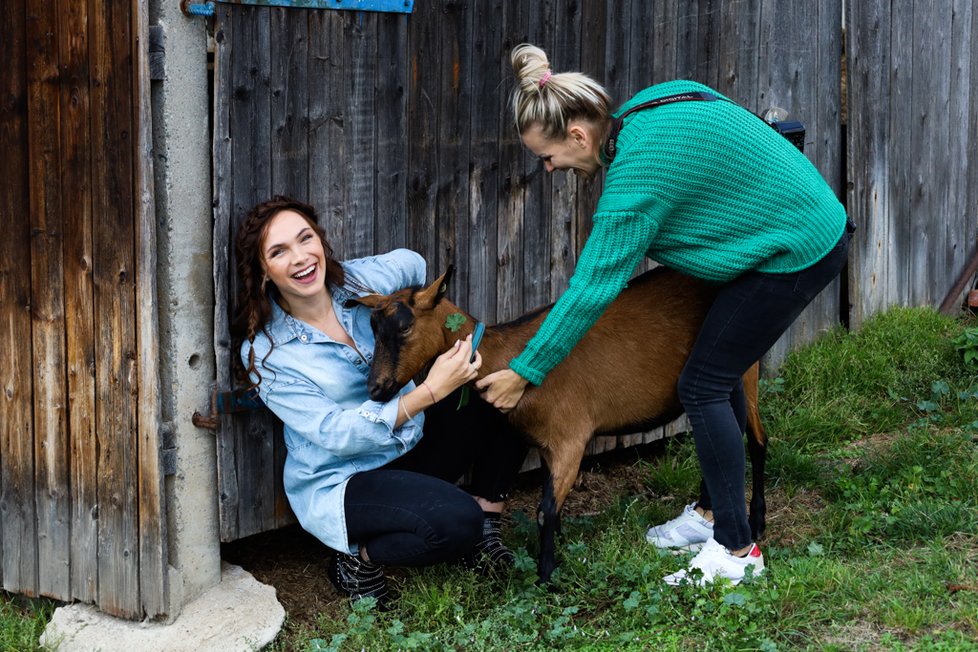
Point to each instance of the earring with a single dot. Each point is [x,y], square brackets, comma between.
[264,280]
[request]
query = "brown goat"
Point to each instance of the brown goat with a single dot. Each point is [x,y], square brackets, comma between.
[621,377]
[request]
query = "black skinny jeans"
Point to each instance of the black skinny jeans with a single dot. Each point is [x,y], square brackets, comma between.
[748,316]
[410,512]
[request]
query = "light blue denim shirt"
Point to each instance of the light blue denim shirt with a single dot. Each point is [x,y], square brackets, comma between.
[318,388]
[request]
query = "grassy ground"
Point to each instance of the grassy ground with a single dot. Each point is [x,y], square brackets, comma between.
[22,622]
[872,539]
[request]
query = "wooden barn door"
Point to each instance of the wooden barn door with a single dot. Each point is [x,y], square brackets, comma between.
[398,130]
[80,488]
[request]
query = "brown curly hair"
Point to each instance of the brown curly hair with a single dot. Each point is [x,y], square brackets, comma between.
[255,295]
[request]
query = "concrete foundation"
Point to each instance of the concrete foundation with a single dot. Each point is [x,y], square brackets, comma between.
[239,613]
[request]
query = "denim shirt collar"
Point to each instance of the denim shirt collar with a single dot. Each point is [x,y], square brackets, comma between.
[283,327]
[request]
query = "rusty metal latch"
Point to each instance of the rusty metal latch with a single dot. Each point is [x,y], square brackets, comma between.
[232,402]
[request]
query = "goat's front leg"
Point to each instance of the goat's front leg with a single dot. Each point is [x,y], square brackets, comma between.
[563,464]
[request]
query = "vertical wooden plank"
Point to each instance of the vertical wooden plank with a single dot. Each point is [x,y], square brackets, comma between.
[899,111]
[224,206]
[390,101]
[707,42]
[47,302]
[76,171]
[491,126]
[968,211]
[423,128]
[618,50]
[687,39]
[18,535]
[960,223]
[454,138]
[968,216]
[288,108]
[825,144]
[665,34]
[641,46]
[928,151]
[738,51]
[153,584]
[114,276]
[869,197]
[360,115]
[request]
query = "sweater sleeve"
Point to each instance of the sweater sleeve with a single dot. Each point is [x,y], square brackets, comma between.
[617,244]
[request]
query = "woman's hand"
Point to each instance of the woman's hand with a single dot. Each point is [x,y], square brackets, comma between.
[503,389]
[452,369]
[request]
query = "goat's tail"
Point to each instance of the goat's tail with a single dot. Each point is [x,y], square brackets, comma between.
[755,428]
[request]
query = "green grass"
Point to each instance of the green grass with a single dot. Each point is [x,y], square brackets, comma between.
[873,544]
[881,426]
[22,622]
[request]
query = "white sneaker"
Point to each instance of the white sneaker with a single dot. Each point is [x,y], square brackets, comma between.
[715,562]
[688,531]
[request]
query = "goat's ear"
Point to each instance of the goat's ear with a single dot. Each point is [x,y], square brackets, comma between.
[370,301]
[432,294]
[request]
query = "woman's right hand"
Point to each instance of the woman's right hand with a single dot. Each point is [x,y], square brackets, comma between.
[452,369]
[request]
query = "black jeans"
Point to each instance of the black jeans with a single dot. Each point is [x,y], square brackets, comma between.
[410,512]
[748,316]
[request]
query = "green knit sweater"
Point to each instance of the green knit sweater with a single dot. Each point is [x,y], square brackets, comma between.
[706,188]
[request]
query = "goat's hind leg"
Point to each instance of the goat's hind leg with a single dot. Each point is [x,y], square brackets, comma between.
[758,505]
[563,465]
[548,523]
[704,501]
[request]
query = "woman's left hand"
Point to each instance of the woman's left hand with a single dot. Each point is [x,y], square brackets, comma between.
[503,389]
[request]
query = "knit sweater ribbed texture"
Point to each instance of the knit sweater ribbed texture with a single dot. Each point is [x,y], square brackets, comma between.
[706,188]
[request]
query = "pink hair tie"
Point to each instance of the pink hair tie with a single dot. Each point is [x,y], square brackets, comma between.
[545,78]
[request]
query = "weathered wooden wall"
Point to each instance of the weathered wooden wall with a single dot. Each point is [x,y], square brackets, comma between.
[80,486]
[397,128]
[913,112]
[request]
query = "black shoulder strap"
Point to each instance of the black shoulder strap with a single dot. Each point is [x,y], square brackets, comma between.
[611,145]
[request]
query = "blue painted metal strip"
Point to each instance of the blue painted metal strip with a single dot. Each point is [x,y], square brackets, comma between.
[390,6]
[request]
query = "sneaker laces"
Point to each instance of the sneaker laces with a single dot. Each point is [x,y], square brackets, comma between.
[490,553]
[357,579]
[675,522]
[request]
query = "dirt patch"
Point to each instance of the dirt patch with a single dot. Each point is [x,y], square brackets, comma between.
[793,520]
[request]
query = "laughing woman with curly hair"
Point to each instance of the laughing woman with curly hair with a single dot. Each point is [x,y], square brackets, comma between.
[372,480]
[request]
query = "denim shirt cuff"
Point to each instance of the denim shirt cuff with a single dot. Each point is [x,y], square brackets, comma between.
[386,413]
[378,412]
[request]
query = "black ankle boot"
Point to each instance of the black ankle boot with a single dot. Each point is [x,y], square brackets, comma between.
[358,579]
[490,554]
